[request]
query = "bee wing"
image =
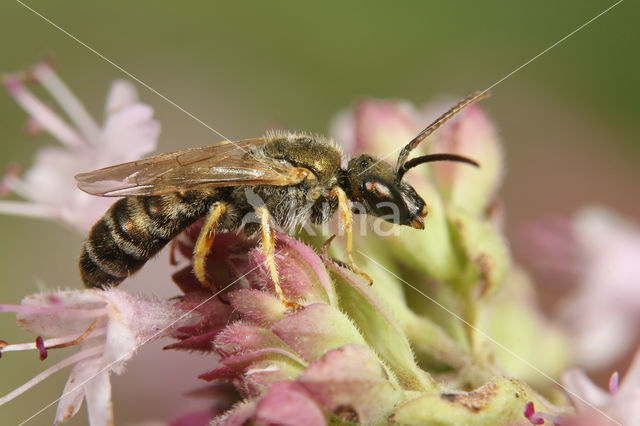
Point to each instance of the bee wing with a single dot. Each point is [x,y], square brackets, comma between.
[224,164]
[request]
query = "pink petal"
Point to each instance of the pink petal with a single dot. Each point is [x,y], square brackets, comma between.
[286,404]
[50,179]
[255,305]
[239,415]
[242,362]
[61,321]
[74,390]
[352,383]
[98,396]
[266,372]
[240,338]
[208,314]
[384,125]
[316,329]
[306,265]
[343,130]
[628,395]
[201,343]
[582,388]
[220,373]
[121,94]
[471,135]
[128,134]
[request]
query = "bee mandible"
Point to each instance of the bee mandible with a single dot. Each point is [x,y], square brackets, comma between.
[296,177]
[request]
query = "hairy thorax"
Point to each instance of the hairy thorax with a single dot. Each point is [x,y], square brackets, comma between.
[292,205]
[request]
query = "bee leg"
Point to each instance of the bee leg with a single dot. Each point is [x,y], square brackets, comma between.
[346,219]
[205,239]
[268,248]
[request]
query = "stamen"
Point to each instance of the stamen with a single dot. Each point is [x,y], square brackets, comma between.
[55,343]
[613,383]
[80,338]
[42,113]
[22,208]
[87,353]
[531,415]
[33,127]
[69,103]
[41,348]
[10,175]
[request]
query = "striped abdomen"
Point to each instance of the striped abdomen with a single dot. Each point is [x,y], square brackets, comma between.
[132,231]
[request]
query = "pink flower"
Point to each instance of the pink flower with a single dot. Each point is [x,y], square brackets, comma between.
[597,252]
[107,326]
[620,403]
[317,361]
[128,133]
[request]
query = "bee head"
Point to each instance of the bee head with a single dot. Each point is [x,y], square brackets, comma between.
[379,188]
[374,186]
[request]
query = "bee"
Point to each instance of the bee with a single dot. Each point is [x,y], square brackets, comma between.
[284,179]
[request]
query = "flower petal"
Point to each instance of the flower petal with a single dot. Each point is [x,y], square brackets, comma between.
[128,134]
[471,135]
[74,390]
[583,389]
[98,396]
[61,313]
[287,404]
[240,414]
[352,383]
[316,329]
[384,125]
[255,305]
[121,94]
[240,338]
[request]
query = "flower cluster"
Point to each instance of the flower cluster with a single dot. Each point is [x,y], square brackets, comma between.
[128,133]
[439,338]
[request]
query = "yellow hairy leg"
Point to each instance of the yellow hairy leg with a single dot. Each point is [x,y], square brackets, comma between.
[346,219]
[205,240]
[268,248]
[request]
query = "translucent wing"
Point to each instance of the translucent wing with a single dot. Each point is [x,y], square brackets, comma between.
[224,164]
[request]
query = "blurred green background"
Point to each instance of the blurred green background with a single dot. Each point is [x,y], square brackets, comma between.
[569,120]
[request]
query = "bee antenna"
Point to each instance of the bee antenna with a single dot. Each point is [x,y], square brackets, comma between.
[469,100]
[430,159]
